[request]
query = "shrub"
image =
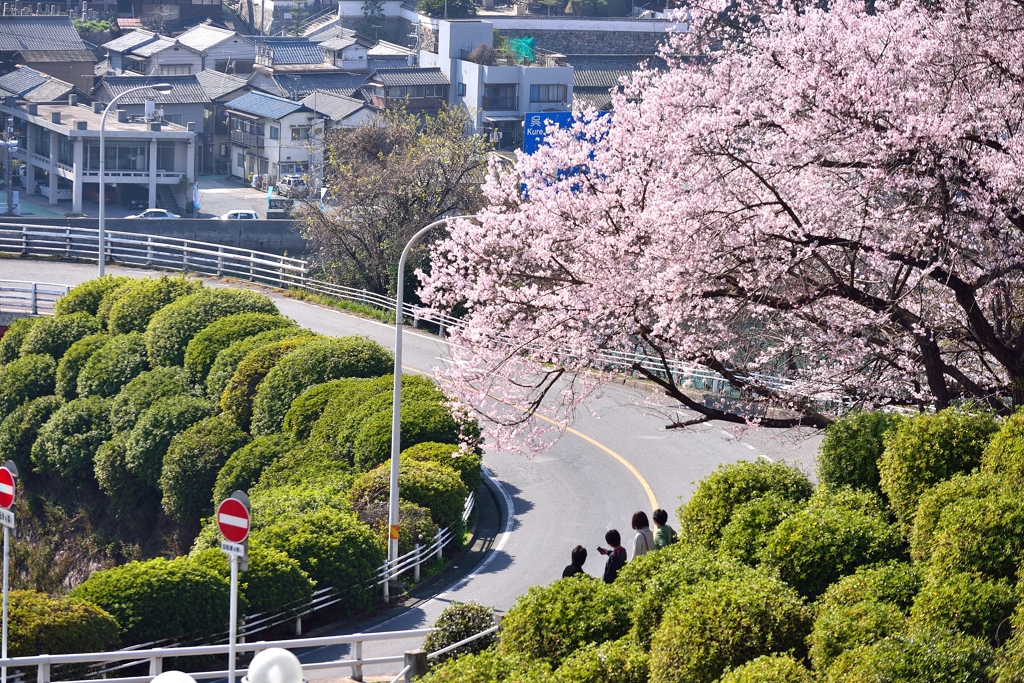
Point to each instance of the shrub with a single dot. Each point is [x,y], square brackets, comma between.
[821,543]
[459,621]
[314,363]
[18,430]
[1004,454]
[122,359]
[896,583]
[966,603]
[173,326]
[427,484]
[68,441]
[240,391]
[192,462]
[150,438]
[73,361]
[227,361]
[1009,665]
[769,669]
[702,519]
[469,465]
[616,661]
[422,421]
[243,469]
[160,599]
[491,666]
[142,392]
[14,337]
[415,522]
[128,491]
[752,523]
[849,626]
[307,463]
[929,656]
[86,297]
[722,624]
[311,403]
[550,622]
[849,453]
[55,335]
[961,487]
[273,583]
[202,351]
[983,535]
[928,449]
[24,379]
[134,307]
[39,623]
[113,296]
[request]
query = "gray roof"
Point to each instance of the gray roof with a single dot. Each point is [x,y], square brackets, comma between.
[293,50]
[205,36]
[39,33]
[50,91]
[186,89]
[330,31]
[22,79]
[384,48]
[334,107]
[216,84]
[388,62]
[605,71]
[130,40]
[267,106]
[408,76]
[339,42]
[150,49]
[300,85]
[584,99]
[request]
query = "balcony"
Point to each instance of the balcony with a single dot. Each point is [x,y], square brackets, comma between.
[500,103]
[240,137]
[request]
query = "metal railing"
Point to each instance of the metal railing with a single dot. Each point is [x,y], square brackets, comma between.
[32,298]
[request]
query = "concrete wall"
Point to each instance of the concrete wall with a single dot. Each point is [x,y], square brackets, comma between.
[581,42]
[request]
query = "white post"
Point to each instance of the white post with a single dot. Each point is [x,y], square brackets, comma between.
[233,627]
[7,554]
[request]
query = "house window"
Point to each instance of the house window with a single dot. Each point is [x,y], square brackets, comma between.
[462,89]
[174,118]
[415,92]
[240,161]
[501,96]
[175,70]
[554,92]
[275,133]
[300,132]
[165,156]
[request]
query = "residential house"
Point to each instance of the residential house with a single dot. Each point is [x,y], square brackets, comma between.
[340,111]
[49,44]
[270,135]
[347,52]
[220,89]
[25,83]
[295,86]
[222,49]
[595,77]
[418,90]
[150,54]
[385,55]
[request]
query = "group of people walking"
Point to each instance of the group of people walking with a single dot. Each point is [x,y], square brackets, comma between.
[644,541]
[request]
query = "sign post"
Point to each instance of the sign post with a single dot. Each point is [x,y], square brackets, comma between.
[233,521]
[7,474]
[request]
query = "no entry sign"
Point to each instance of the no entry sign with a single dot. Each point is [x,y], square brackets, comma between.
[233,520]
[6,488]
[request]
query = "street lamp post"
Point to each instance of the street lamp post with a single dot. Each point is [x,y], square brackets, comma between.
[396,401]
[159,87]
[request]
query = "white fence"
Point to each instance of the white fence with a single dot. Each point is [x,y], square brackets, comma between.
[32,298]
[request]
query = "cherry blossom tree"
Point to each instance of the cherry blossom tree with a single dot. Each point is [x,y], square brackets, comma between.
[829,197]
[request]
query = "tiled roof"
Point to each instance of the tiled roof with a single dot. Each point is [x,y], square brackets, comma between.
[300,85]
[38,33]
[408,76]
[150,49]
[204,36]
[293,50]
[384,48]
[584,99]
[339,42]
[36,56]
[186,89]
[51,91]
[126,42]
[263,105]
[390,62]
[216,84]
[334,107]
[604,71]
[330,31]
[22,79]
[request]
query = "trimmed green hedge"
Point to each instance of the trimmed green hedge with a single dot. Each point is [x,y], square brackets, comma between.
[202,351]
[134,307]
[769,669]
[18,430]
[160,599]
[551,622]
[468,465]
[41,624]
[151,437]
[119,361]
[929,656]
[415,521]
[752,524]
[131,495]
[142,392]
[896,583]
[226,364]
[309,464]
[240,391]
[14,337]
[850,626]
[73,361]
[1009,666]
[174,325]
[967,603]
[702,519]
[722,624]
[312,403]
[273,583]
[67,443]
[192,462]
[422,421]
[245,466]
[314,363]
[55,335]
[928,449]
[948,493]
[614,661]
[849,453]
[459,621]
[1004,454]
[86,297]
[24,379]
[428,484]
[112,296]
[491,666]
[984,534]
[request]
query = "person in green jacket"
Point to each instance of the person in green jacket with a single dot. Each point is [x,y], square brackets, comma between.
[664,535]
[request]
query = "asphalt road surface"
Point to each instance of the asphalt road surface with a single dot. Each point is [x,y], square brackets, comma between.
[615,458]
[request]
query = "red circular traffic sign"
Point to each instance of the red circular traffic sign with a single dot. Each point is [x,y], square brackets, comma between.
[233,520]
[6,488]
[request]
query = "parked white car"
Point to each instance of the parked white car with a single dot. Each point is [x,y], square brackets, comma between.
[239,216]
[291,185]
[64,191]
[155,213]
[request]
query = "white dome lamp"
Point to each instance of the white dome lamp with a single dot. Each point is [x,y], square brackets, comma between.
[174,677]
[274,665]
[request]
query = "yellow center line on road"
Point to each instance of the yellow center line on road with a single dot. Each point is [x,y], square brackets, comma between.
[625,463]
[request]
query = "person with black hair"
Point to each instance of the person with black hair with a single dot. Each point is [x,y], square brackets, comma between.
[579,556]
[664,535]
[616,556]
[643,542]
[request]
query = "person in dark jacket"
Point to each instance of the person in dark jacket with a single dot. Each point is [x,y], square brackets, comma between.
[616,556]
[579,556]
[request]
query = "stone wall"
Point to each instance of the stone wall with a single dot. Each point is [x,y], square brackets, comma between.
[592,42]
[392,29]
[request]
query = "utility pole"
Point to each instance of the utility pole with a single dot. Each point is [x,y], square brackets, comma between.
[9,144]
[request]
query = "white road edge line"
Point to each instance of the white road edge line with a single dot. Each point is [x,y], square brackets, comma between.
[750,447]
[765,457]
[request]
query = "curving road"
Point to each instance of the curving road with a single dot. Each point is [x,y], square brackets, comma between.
[565,496]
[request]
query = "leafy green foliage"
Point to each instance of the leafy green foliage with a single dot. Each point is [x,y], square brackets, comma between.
[240,391]
[769,669]
[55,335]
[752,524]
[928,449]
[428,484]
[455,9]
[18,430]
[984,534]
[948,493]
[307,464]
[491,666]
[722,624]
[312,364]
[849,453]
[1009,665]
[73,361]
[192,462]
[39,623]
[86,297]
[150,438]
[142,392]
[311,403]
[243,469]
[68,441]
[468,465]
[923,656]
[550,622]
[422,421]
[967,603]
[896,583]
[1004,454]
[134,307]
[416,522]
[119,361]
[112,296]
[459,621]
[614,661]
[24,379]
[159,599]
[846,627]
[273,583]
[227,361]
[173,326]
[702,519]
[131,494]
[202,351]
[14,337]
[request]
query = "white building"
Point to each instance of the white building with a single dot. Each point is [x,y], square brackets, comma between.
[270,135]
[201,47]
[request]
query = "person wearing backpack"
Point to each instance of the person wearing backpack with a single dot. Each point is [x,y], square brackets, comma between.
[664,535]
[616,556]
